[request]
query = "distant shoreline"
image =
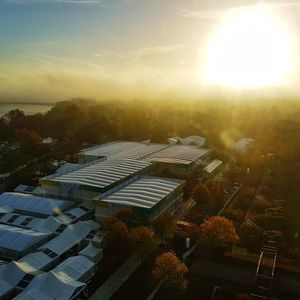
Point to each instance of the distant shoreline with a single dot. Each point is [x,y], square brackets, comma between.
[28,103]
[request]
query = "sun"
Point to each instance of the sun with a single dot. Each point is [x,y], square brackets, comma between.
[250,49]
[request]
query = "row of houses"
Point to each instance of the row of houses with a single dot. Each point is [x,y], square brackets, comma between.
[50,244]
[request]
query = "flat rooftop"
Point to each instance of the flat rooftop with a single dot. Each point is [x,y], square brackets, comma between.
[145,192]
[110,149]
[100,175]
[213,165]
[178,154]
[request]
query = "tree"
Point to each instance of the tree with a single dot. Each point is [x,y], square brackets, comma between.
[141,239]
[117,238]
[251,237]
[201,194]
[165,226]
[218,233]
[107,223]
[172,271]
[242,296]
[125,215]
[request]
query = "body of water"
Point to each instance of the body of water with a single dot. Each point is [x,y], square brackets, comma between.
[28,109]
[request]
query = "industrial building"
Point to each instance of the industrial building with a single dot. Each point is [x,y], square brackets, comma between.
[90,180]
[178,160]
[49,242]
[124,149]
[148,197]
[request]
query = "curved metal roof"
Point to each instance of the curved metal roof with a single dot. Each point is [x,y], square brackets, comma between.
[104,173]
[144,192]
[178,154]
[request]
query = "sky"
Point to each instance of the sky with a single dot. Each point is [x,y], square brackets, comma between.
[53,50]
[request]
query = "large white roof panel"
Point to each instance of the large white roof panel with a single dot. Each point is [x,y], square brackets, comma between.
[145,192]
[178,154]
[110,149]
[102,174]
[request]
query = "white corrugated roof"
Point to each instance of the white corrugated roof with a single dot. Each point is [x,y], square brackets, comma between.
[178,154]
[48,286]
[102,174]
[141,152]
[19,239]
[71,236]
[73,268]
[110,149]
[90,250]
[34,204]
[145,192]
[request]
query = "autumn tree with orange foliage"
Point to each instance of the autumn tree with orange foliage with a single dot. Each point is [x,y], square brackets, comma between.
[107,223]
[165,226]
[141,239]
[201,194]
[242,296]
[173,273]
[218,233]
[117,238]
[125,215]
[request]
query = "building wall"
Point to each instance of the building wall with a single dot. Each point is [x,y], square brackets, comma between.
[167,204]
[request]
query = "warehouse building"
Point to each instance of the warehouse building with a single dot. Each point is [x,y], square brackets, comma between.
[148,197]
[90,180]
[125,149]
[178,160]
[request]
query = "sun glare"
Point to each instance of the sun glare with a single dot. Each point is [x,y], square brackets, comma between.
[249,50]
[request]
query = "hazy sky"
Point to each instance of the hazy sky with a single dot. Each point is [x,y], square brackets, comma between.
[118,49]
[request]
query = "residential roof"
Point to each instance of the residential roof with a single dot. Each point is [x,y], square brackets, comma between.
[213,165]
[34,204]
[102,174]
[180,154]
[145,192]
[19,239]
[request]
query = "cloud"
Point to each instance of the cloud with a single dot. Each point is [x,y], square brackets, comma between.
[108,3]
[53,1]
[214,14]
[157,50]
